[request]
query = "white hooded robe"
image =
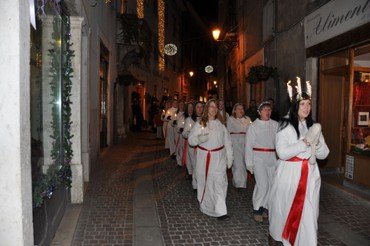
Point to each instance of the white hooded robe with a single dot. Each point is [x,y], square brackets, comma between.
[237,128]
[261,134]
[212,191]
[286,181]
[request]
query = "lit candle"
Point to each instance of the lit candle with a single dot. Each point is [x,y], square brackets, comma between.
[299,86]
[202,131]
[190,125]
[290,90]
[309,88]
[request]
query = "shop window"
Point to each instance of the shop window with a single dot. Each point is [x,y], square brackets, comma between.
[360,138]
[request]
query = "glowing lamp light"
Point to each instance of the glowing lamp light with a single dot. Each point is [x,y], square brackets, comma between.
[216,33]
[215,82]
[191,73]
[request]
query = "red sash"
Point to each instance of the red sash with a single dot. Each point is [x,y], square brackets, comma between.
[208,161]
[295,213]
[237,132]
[185,152]
[264,149]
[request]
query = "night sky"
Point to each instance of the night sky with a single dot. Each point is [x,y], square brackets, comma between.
[207,9]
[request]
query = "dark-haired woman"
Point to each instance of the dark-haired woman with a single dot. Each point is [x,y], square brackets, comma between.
[214,156]
[190,159]
[294,197]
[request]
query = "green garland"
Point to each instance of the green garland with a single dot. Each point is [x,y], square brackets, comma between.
[260,73]
[59,174]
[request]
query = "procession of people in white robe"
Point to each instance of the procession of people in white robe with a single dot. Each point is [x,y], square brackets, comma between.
[208,142]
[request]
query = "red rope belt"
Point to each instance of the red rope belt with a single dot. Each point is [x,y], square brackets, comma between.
[237,132]
[264,149]
[208,161]
[295,213]
[185,152]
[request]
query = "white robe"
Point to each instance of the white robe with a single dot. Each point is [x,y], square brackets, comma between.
[286,182]
[180,145]
[191,151]
[237,128]
[171,131]
[261,134]
[215,187]
[164,129]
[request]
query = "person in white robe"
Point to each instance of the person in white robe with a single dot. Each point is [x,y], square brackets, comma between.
[260,158]
[191,149]
[171,115]
[224,115]
[164,118]
[237,125]
[179,127]
[214,156]
[294,196]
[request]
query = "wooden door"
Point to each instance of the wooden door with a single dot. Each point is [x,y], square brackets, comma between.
[332,107]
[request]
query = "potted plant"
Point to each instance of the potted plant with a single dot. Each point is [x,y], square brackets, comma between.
[261,73]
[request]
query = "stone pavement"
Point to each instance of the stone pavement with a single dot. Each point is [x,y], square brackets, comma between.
[138,196]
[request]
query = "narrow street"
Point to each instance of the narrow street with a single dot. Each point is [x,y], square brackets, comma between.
[138,196]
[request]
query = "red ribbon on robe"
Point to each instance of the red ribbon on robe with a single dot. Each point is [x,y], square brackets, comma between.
[295,214]
[237,132]
[185,152]
[264,149]
[208,161]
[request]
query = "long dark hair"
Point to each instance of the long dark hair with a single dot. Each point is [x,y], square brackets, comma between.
[194,116]
[186,113]
[293,119]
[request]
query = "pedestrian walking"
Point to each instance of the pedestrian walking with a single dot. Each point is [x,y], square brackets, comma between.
[224,115]
[237,125]
[260,158]
[165,119]
[179,124]
[214,156]
[294,196]
[191,149]
[251,112]
[171,115]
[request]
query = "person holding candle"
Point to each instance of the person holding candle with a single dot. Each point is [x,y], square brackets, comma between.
[179,127]
[260,158]
[165,113]
[214,156]
[191,150]
[294,196]
[171,115]
[237,125]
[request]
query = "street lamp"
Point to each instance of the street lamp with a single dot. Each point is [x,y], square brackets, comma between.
[215,82]
[191,73]
[216,33]
[230,39]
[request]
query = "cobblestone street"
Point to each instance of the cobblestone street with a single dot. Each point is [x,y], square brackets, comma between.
[108,215]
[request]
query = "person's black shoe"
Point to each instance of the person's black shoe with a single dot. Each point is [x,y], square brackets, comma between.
[223,217]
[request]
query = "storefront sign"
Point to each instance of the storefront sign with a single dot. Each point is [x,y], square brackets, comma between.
[350,163]
[334,18]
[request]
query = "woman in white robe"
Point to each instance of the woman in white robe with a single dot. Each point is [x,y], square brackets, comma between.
[294,196]
[237,126]
[164,116]
[214,156]
[171,115]
[191,150]
[179,140]
[260,158]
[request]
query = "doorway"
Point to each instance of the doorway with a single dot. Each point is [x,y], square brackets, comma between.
[103,95]
[334,77]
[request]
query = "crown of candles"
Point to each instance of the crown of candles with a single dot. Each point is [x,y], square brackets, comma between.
[299,89]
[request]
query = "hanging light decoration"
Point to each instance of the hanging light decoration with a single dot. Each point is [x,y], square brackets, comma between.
[161,37]
[140,9]
[208,69]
